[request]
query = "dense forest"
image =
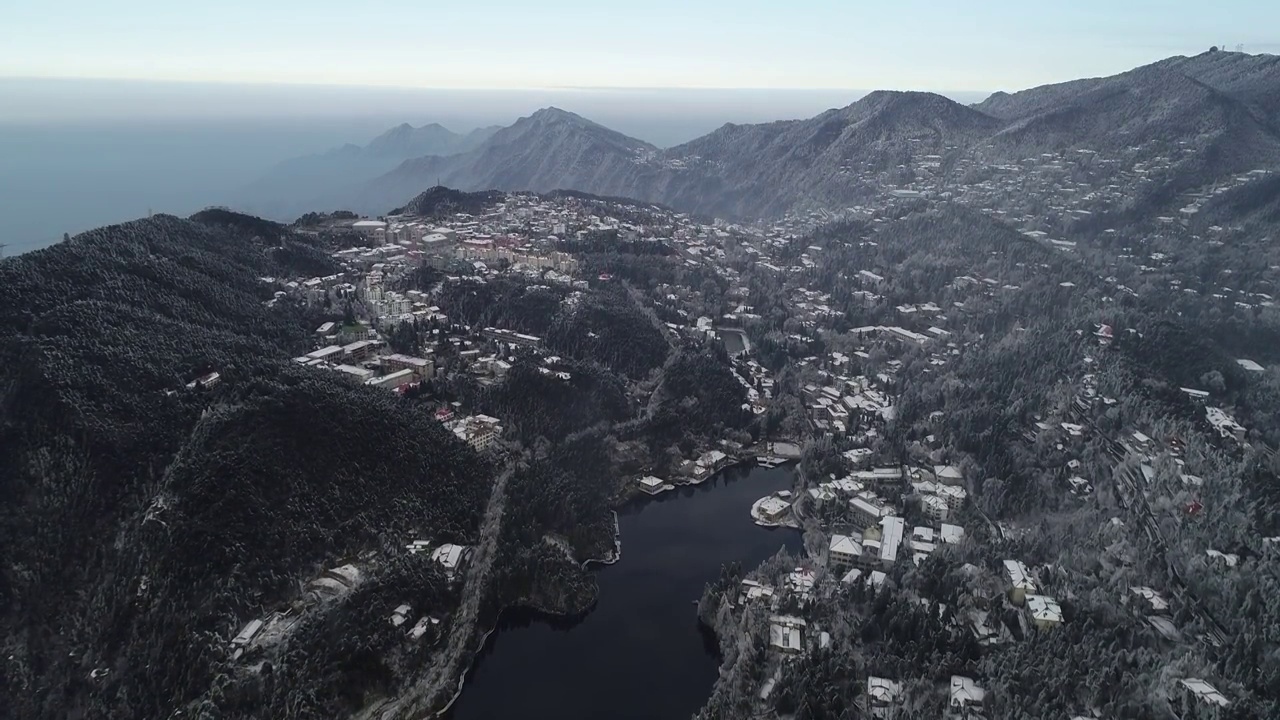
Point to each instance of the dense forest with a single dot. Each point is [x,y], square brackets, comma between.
[145,521]
[440,202]
[602,325]
[609,328]
[544,405]
[558,518]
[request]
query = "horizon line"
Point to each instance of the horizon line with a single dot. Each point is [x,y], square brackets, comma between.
[561,88]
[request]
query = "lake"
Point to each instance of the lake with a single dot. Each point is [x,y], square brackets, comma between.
[735,341]
[641,652]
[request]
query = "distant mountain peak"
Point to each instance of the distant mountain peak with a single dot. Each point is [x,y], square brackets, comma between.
[898,108]
[881,95]
[551,111]
[909,100]
[555,115]
[554,122]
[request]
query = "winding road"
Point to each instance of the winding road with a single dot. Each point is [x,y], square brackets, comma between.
[444,679]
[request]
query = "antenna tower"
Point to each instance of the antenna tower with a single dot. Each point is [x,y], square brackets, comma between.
[2,247]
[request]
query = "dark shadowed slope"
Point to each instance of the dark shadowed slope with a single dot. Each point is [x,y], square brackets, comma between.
[144,522]
[440,202]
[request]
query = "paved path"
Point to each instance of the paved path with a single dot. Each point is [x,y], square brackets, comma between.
[442,682]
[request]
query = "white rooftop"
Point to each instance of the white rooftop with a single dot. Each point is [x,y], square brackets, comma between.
[845,545]
[1044,608]
[862,505]
[1205,692]
[448,555]
[883,691]
[964,691]
[1250,365]
[785,632]
[947,472]
[1153,597]
[1019,577]
[951,533]
[892,528]
[774,505]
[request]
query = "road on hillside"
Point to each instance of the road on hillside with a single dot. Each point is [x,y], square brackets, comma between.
[441,682]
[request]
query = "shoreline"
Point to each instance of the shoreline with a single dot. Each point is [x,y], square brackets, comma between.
[617,547]
[789,522]
[586,564]
[613,558]
[760,460]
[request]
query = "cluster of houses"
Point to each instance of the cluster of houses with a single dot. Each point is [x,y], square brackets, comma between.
[847,396]
[367,362]
[691,472]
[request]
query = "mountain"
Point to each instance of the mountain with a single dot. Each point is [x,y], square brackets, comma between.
[1211,113]
[548,150]
[146,521]
[761,170]
[1252,79]
[1214,112]
[324,181]
[1152,104]
[1156,111]
[737,170]
[406,141]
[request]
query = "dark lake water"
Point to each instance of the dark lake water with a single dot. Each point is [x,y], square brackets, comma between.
[733,340]
[640,653]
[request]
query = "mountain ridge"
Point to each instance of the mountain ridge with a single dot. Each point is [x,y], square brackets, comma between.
[1214,102]
[539,152]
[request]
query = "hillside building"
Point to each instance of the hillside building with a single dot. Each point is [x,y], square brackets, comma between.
[966,699]
[843,551]
[1020,583]
[1044,611]
[883,698]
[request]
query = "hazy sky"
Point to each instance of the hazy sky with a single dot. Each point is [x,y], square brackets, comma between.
[899,44]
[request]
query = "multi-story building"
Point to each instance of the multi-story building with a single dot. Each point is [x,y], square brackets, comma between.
[1020,583]
[479,431]
[397,379]
[935,508]
[422,367]
[892,529]
[867,512]
[843,551]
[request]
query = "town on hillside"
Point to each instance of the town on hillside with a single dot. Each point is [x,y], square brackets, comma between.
[967,500]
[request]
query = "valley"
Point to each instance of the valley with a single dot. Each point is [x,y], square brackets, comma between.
[1015,366]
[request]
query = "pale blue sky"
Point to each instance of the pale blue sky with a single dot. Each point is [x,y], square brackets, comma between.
[903,44]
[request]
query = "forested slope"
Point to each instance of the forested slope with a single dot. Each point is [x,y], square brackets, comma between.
[144,522]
